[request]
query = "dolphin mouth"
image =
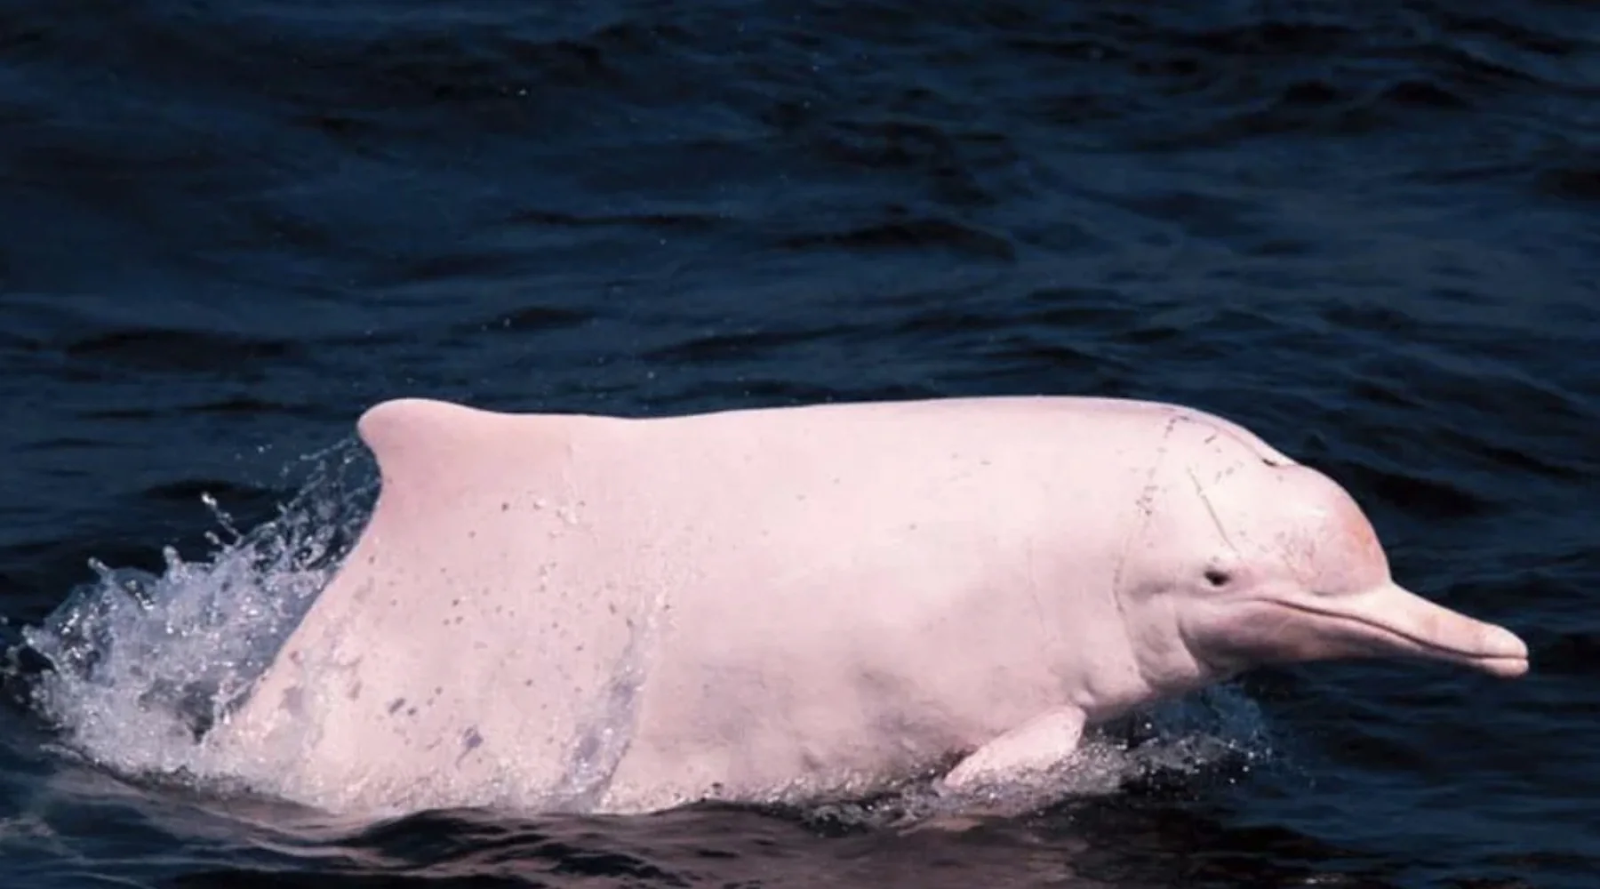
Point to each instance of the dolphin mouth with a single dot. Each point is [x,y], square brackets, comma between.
[1503,662]
[1391,620]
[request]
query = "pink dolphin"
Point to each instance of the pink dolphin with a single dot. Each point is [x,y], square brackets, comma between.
[622,615]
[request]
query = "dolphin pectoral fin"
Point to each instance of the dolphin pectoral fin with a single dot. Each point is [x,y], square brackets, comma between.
[1033,747]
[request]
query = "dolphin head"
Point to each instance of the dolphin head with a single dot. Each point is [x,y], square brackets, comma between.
[1278,564]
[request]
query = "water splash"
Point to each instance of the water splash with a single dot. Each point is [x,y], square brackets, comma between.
[142,664]
[1214,731]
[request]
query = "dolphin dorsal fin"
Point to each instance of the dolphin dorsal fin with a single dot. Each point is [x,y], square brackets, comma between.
[427,447]
[405,428]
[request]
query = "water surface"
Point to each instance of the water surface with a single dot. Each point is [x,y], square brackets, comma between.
[1369,231]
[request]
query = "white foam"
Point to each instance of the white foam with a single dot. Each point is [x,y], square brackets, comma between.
[144,662]
[1182,739]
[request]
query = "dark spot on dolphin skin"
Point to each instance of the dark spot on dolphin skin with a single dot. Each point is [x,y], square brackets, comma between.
[355,691]
[294,700]
[470,741]
[395,705]
[528,683]
[411,711]
[455,603]
[505,507]
[588,746]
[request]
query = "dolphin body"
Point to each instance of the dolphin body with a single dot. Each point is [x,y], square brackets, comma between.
[609,615]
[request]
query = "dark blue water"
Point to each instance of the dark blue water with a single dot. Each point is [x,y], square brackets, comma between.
[1368,230]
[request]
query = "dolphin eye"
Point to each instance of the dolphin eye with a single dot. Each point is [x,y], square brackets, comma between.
[1217,577]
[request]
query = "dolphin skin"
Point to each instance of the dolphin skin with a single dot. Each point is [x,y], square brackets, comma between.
[585,613]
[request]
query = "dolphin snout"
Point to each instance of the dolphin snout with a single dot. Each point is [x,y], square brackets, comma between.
[1501,652]
[1401,619]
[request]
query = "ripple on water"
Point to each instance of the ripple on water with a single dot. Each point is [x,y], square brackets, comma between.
[1365,227]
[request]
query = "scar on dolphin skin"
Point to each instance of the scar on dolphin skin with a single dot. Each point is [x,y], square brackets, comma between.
[1145,504]
[1038,607]
[1211,510]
